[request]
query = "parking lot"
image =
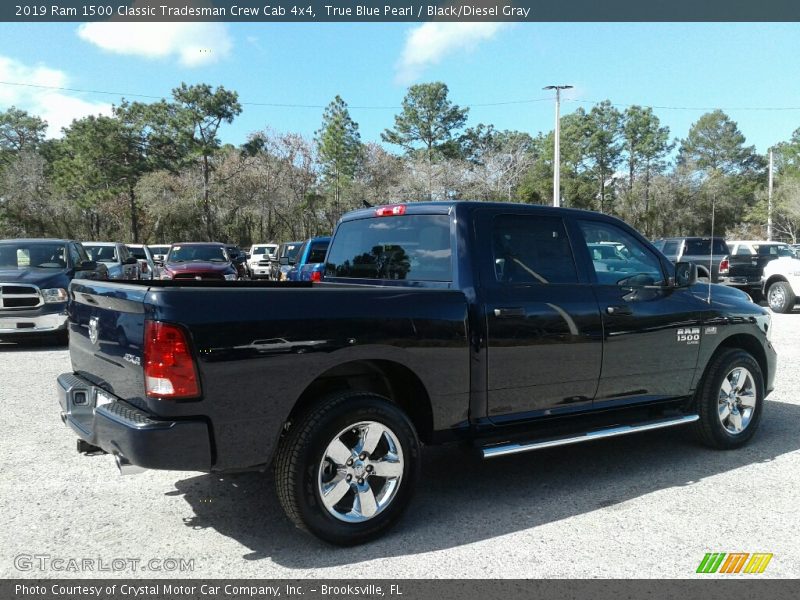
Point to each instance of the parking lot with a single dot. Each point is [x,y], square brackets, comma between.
[641,506]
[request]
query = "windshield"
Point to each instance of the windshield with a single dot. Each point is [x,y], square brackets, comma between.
[138,252]
[106,254]
[20,255]
[290,250]
[159,249]
[197,254]
[260,250]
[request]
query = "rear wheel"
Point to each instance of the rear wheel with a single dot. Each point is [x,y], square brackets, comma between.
[347,468]
[730,400]
[780,297]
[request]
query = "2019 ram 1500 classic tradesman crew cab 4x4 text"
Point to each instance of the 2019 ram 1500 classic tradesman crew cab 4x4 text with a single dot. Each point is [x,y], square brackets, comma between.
[487,323]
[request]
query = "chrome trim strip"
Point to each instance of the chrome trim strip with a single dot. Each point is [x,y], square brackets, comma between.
[502,450]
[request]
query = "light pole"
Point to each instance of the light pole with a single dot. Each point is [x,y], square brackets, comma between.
[557,144]
[769,200]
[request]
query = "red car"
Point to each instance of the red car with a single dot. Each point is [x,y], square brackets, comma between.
[199,261]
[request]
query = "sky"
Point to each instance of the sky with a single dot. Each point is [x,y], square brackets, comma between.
[681,69]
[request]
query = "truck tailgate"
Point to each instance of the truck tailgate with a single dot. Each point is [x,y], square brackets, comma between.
[107,334]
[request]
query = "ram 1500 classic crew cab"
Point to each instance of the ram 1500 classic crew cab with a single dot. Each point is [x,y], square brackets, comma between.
[488,323]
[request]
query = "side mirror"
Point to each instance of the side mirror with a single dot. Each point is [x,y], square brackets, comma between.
[247,256]
[88,265]
[131,260]
[284,260]
[685,274]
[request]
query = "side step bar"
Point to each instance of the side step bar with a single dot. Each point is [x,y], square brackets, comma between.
[599,434]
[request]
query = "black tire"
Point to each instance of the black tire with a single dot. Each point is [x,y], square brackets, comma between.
[780,297]
[710,429]
[62,337]
[302,449]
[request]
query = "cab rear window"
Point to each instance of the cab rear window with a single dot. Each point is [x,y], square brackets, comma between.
[408,247]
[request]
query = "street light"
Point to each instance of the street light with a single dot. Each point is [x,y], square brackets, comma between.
[557,144]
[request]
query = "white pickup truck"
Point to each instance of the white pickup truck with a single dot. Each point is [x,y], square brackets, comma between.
[781,283]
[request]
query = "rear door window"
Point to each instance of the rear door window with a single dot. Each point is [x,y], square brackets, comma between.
[532,249]
[409,247]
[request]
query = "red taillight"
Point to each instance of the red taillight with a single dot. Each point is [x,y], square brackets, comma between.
[316,275]
[144,267]
[169,369]
[390,211]
[724,265]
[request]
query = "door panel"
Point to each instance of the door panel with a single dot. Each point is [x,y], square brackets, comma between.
[546,358]
[651,330]
[650,353]
[544,332]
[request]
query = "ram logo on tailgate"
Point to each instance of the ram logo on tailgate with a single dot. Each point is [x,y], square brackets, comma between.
[94,324]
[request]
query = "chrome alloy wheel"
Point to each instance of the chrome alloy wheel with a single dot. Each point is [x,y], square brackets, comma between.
[776,297]
[737,400]
[360,472]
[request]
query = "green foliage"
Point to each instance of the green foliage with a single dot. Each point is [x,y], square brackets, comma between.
[428,120]
[19,132]
[339,151]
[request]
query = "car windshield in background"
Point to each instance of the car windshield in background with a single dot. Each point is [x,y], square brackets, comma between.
[413,247]
[703,247]
[774,250]
[197,254]
[36,255]
[291,251]
[137,252]
[159,249]
[106,254]
[260,250]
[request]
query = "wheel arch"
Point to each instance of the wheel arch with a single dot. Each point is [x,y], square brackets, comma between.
[748,343]
[386,378]
[773,279]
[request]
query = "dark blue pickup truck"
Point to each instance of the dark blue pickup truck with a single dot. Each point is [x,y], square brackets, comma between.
[491,324]
[34,277]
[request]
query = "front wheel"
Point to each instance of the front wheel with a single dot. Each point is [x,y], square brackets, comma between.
[780,297]
[730,400]
[346,469]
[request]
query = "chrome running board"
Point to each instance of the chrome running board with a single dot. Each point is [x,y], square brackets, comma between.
[599,434]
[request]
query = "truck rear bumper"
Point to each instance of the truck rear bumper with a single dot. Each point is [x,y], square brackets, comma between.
[129,433]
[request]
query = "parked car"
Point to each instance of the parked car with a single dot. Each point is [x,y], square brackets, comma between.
[121,264]
[261,257]
[697,250]
[239,260]
[748,258]
[781,283]
[34,277]
[436,321]
[159,252]
[147,264]
[309,263]
[285,259]
[198,261]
